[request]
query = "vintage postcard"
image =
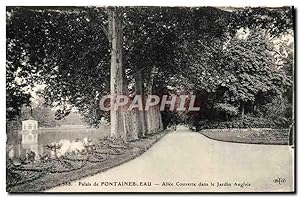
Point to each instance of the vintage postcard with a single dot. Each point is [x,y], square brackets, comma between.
[150,99]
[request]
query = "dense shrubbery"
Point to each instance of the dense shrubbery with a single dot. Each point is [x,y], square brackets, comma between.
[228,109]
[246,122]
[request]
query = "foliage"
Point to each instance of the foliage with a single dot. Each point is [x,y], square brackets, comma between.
[227,57]
[42,114]
[246,122]
[15,97]
[274,20]
[63,50]
[226,108]
[248,68]
[280,110]
[254,69]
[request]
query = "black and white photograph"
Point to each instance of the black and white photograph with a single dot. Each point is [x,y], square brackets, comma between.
[147,99]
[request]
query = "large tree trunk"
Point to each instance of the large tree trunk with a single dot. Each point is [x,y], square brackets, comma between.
[153,115]
[122,125]
[129,119]
[154,120]
[116,71]
[140,115]
[121,119]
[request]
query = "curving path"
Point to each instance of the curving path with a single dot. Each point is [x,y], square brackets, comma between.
[184,159]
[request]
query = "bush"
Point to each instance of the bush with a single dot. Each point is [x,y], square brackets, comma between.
[226,108]
[246,122]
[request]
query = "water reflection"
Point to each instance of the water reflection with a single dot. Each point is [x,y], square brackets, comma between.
[37,141]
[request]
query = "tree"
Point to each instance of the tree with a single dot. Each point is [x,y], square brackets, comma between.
[239,68]
[121,119]
[61,53]
[42,114]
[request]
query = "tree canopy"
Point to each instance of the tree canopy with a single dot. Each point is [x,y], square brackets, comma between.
[226,56]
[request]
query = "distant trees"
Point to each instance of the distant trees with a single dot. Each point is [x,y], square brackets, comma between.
[42,114]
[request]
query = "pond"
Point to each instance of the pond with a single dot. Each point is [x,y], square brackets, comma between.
[45,136]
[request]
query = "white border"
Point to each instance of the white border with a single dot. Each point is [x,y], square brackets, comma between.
[232,3]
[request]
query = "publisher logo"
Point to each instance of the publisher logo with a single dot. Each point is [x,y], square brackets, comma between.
[279,180]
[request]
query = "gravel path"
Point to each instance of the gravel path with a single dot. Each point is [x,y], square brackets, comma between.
[188,161]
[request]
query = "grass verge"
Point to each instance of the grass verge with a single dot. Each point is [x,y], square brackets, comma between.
[249,135]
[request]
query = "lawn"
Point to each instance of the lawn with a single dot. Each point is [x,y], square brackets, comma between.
[249,135]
